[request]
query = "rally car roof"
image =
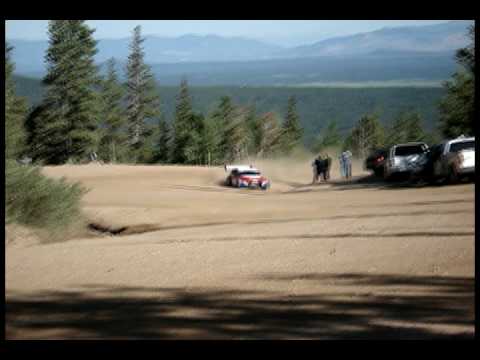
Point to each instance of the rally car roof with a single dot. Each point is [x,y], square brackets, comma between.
[240,168]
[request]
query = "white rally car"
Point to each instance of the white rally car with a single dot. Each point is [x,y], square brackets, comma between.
[246,176]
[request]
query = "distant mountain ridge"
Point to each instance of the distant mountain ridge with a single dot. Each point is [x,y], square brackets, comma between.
[429,38]
[403,53]
[29,55]
[190,48]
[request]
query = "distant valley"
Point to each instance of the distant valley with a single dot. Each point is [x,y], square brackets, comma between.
[316,106]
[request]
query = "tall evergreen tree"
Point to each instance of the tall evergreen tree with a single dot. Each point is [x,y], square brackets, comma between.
[162,152]
[142,100]
[194,150]
[330,137]
[15,112]
[236,135]
[268,135]
[407,127]
[146,153]
[252,131]
[65,124]
[367,135]
[112,118]
[415,131]
[292,131]
[232,130]
[184,125]
[224,115]
[457,109]
[211,137]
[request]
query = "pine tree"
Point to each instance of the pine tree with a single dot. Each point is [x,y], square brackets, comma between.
[367,135]
[142,100]
[232,131]
[15,112]
[252,131]
[457,109]
[145,154]
[112,117]
[65,124]
[237,134]
[407,127]
[415,131]
[184,126]
[328,138]
[397,132]
[292,131]
[194,150]
[163,145]
[210,136]
[269,135]
[224,117]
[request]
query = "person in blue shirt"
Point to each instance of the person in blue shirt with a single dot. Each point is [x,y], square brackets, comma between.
[342,165]
[347,161]
[346,164]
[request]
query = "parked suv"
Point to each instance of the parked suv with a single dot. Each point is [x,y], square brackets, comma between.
[455,159]
[405,159]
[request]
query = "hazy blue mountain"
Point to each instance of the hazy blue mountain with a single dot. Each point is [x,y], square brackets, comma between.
[429,38]
[420,53]
[190,48]
[29,55]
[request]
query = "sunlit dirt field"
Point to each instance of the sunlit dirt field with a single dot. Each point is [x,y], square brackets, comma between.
[186,257]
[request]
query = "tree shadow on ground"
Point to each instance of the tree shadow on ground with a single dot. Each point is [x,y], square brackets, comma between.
[374,182]
[366,307]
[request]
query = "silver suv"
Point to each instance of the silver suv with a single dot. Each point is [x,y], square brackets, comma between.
[405,159]
[456,159]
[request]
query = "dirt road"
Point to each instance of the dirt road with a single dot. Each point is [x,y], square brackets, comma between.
[195,259]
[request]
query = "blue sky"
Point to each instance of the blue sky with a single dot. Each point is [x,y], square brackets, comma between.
[282,32]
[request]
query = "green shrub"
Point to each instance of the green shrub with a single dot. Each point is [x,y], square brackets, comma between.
[35,200]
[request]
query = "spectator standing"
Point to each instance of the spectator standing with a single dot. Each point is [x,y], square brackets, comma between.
[347,161]
[315,171]
[342,165]
[328,164]
[317,168]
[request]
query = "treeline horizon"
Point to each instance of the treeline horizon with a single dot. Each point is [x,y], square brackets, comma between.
[316,107]
[82,112]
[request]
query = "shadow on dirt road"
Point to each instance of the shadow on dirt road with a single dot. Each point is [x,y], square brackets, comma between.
[374,182]
[378,312]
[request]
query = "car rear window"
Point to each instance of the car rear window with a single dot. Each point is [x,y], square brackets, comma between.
[464,145]
[408,150]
